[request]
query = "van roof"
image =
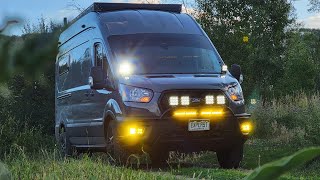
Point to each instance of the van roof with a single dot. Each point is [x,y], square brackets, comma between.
[108,7]
[146,21]
[125,18]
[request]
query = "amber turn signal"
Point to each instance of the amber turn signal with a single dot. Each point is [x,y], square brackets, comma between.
[145,99]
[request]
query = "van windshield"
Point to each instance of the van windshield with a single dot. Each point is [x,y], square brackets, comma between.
[166,53]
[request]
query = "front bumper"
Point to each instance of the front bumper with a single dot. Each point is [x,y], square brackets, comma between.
[172,134]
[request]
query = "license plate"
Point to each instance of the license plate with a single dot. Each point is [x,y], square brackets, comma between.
[199,125]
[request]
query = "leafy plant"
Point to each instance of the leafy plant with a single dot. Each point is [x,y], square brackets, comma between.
[4,173]
[290,120]
[277,168]
[315,5]
[27,65]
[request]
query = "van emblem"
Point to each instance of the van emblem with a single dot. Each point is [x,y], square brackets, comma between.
[195,100]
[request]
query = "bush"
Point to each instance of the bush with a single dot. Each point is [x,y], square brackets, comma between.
[291,119]
[4,173]
[27,96]
[15,138]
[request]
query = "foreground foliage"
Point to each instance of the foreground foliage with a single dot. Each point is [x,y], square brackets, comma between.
[277,168]
[47,164]
[291,119]
[4,173]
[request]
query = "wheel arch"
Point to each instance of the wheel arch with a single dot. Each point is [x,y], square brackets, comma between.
[108,117]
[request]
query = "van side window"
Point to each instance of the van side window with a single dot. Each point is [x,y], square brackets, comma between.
[98,54]
[64,64]
[101,58]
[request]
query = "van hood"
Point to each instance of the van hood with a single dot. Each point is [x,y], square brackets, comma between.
[163,82]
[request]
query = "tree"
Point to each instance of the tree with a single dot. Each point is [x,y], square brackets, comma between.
[43,26]
[315,5]
[27,67]
[30,53]
[265,22]
[300,66]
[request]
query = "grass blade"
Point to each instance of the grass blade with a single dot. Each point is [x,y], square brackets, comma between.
[275,169]
[4,173]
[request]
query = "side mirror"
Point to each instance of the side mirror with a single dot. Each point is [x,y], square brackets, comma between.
[98,79]
[236,72]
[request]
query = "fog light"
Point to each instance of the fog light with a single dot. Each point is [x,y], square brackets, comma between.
[185,100]
[209,99]
[221,99]
[246,128]
[140,131]
[174,101]
[133,131]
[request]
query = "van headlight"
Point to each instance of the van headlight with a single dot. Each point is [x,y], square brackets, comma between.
[235,92]
[135,94]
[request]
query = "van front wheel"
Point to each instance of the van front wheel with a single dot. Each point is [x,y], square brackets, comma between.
[64,143]
[119,153]
[230,158]
[159,158]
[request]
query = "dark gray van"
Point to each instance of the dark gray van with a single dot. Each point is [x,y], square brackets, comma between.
[144,77]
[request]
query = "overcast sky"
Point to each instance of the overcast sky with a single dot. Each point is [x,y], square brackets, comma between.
[31,10]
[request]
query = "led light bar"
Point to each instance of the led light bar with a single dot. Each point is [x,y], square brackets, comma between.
[185,100]
[224,68]
[221,99]
[125,69]
[185,113]
[209,99]
[173,101]
[209,113]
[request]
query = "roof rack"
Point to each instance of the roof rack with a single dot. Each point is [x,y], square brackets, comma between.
[107,7]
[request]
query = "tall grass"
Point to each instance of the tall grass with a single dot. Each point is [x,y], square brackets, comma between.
[50,165]
[291,119]
[29,139]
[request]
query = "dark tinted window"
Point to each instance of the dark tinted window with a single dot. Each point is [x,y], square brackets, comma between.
[100,57]
[81,62]
[98,54]
[166,53]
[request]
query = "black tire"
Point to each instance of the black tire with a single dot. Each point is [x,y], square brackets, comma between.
[230,158]
[64,143]
[159,158]
[121,154]
[116,149]
[109,140]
